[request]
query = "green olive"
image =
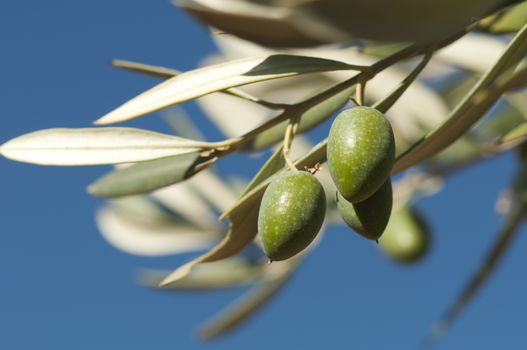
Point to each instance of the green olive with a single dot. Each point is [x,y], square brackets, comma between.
[407,237]
[369,217]
[291,213]
[360,152]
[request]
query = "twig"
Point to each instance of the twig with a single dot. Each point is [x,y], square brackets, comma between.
[290,132]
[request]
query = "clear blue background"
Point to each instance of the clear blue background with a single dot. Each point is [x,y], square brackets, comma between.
[63,287]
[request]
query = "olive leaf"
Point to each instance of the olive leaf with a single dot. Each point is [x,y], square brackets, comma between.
[150,238]
[185,201]
[513,138]
[94,146]
[311,118]
[473,52]
[242,231]
[150,175]
[148,69]
[203,81]
[275,163]
[146,209]
[228,273]
[211,187]
[266,25]
[510,20]
[385,104]
[488,90]
[243,221]
[276,275]
[167,73]
[318,152]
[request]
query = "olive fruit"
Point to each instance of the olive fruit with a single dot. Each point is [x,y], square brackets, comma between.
[369,217]
[407,237]
[291,213]
[360,152]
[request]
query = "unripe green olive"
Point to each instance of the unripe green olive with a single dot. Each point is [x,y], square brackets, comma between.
[369,217]
[360,152]
[407,237]
[292,211]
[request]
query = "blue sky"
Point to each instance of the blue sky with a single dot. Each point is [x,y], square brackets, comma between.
[63,287]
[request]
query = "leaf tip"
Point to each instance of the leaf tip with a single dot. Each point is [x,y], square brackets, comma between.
[101,121]
[175,276]
[91,189]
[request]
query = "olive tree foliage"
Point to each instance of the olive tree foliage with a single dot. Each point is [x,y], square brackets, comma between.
[284,68]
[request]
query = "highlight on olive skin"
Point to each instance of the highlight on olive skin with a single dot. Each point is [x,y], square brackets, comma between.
[369,217]
[360,152]
[291,214]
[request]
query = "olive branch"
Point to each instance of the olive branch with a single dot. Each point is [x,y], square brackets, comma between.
[154,162]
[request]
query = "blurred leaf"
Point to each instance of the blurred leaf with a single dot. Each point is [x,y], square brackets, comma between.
[242,231]
[275,163]
[228,273]
[265,25]
[132,235]
[146,209]
[508,231]
[385,104]
[469,110]
[513,138]
[147,176]
[473,52]
[214,189]
[202,81]
[510,20]
[94,146]
[502,120]
[519,132]
[182,199]
[382,49]
[182,124]
[243,221]
[277,274]
[310,119]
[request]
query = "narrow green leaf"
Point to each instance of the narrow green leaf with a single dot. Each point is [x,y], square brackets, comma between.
[469,110]
[147,176]
[310,119]
[203,81]
[94,146]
